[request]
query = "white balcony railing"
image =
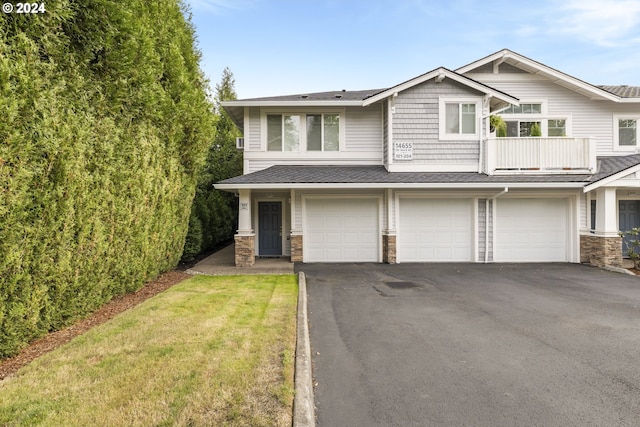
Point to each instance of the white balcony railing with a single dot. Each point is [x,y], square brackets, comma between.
[540,155]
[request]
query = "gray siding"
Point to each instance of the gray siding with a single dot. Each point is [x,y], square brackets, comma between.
[252,135]
[363,131]
[482,228]
[589,118]
[416,120]
[385,133]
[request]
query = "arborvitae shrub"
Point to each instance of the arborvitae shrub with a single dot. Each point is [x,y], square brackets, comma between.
[104,124]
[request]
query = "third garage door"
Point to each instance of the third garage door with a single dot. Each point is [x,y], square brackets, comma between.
[435,230]
[531,230]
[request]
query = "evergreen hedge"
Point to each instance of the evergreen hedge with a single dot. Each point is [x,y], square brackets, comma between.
[104,123]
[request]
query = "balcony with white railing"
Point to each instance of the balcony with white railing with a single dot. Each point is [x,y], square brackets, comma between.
[540,155]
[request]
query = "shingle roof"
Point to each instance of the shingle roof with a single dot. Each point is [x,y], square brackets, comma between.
[608,166]
[623,91]
[336,95]
[378,174]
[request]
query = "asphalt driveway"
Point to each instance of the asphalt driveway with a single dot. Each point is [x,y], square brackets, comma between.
[474,345]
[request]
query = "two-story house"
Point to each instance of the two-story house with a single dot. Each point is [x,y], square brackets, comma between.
[415,172]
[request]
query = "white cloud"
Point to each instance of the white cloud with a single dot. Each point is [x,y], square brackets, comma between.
[603,22]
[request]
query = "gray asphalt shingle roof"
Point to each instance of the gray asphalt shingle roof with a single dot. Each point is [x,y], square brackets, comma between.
[623,91]
[281,174]
[378,174]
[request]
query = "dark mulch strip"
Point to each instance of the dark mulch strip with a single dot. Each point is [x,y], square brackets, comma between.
[117,305]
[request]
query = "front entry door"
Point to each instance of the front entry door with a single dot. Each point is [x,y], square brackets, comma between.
[629,217]
[270,228]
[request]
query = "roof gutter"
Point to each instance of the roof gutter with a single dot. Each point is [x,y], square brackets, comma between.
[400,185]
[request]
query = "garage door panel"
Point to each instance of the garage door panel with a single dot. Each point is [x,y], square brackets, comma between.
[435,230]
[341,230]
[532,230]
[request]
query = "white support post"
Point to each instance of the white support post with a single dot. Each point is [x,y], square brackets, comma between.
[244,213]
[606,212]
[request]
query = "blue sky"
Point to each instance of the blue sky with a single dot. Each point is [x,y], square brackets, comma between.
[280,47]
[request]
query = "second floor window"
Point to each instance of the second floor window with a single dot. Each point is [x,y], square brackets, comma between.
[323,132]
[283,132]
[294,132]
[460,118]
[627,132]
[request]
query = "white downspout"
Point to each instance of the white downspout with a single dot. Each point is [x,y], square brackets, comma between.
[486,221]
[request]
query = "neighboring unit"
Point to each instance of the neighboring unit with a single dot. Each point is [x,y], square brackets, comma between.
[414,173]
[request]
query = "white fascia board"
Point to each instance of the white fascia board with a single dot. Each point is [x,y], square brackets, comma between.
[382,185]
[608,180]
[541,69]
[336,103]
[448,74]
[630,100]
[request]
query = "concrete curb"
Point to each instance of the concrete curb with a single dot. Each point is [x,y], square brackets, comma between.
[303,405]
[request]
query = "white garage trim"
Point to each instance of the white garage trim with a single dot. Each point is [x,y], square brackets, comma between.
[347,230]
[436,229]
[534,229]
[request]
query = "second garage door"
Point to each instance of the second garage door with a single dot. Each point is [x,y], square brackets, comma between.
[342,230]
[435,230]
[531,230]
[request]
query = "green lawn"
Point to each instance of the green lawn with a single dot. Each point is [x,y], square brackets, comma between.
[208,351]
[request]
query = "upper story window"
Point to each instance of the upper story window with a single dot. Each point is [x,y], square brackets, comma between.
[283,132]
[530,119]
[323,132]
[626,132]
[297,132]
[459,118]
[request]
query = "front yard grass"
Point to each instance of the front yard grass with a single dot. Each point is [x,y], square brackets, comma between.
[208,351]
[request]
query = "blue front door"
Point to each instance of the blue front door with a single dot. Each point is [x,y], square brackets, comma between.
[628,218]
[270,228]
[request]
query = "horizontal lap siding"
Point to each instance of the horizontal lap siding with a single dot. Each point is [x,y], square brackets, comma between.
[363,131]
[589,118]
[416,120]
[252,138]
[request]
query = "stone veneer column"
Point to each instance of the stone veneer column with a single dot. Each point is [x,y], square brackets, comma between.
[245,250]
[296,248]
[601,250]
[389,249]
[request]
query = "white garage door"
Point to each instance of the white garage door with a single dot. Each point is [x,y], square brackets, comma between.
[341,230]
[435,230]
[531,230]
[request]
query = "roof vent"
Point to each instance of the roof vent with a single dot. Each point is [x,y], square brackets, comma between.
[304,96]
[337,95]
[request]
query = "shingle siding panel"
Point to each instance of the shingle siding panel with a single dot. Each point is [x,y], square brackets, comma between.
[416,120]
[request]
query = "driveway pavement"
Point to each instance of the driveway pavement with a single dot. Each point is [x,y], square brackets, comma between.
[474,345]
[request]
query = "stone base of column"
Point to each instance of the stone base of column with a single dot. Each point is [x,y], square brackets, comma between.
[601,251]
[389,249]
[296,248]
[245,250]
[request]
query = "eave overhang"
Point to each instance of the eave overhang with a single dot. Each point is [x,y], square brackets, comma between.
[440,74]
[536,68]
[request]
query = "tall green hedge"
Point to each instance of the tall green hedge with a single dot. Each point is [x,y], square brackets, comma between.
[104,123]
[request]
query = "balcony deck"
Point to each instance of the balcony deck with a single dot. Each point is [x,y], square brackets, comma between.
[533,155]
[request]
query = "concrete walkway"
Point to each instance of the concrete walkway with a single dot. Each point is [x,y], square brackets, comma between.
[223,263]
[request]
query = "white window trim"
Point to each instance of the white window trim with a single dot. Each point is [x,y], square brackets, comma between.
[442,126]
[616,132]
[542,117]
[302,147]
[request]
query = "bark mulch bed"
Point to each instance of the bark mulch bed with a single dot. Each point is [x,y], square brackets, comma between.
[117,305]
